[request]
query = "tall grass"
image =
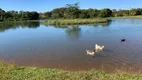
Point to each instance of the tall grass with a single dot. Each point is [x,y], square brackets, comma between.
[75,21]
[13,72]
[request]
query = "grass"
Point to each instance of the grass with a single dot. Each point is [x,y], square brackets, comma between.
[13,72]
[131,17]
[75,21]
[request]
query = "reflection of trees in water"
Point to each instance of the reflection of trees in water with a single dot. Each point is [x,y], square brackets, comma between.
[30,24]
[14,25]
[61,26]
[73,31]
[58,26]
[102,24]
[106,24]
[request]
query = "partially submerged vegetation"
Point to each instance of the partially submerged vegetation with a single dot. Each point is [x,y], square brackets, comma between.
[75,21]
[13,72]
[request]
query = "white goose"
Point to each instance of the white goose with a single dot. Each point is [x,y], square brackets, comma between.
[98,48]
[89,52]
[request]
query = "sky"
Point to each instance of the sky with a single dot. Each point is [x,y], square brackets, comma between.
[48,5]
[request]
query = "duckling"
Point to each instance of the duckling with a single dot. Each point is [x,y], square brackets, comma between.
[123,40]
[89,52]
[98,48]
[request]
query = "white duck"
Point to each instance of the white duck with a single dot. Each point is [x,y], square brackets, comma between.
[98,48]
[89,52]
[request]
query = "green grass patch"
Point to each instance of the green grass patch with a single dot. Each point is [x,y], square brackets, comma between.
[13,72]
[75,21]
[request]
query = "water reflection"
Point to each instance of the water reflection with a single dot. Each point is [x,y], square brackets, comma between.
[102,24]
[64,47]
[73,31]
[13,25]
[63,26]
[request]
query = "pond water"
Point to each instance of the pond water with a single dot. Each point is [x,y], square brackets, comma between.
[64,47]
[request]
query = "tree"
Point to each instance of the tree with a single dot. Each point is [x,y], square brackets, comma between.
[34,15]
[92,13]
[138,11]
[13,15]
[56,13]
[2,12]
[47,15]
[105,13]
[114,13]
[70,11]
[132,12]
[84,14]
[73,10]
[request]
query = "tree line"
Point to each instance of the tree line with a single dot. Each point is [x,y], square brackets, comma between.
[18,16]
[70,11]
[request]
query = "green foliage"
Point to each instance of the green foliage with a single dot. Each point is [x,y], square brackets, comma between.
[13,72]
[132,12]
[17,16]
[83,14]
[73,11]
[75,21]
[105,13]
[48,14]
[70,11]
[2,14]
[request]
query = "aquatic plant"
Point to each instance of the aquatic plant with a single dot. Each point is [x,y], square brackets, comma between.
[75,21]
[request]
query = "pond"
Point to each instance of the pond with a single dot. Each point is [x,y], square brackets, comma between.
[64,47]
